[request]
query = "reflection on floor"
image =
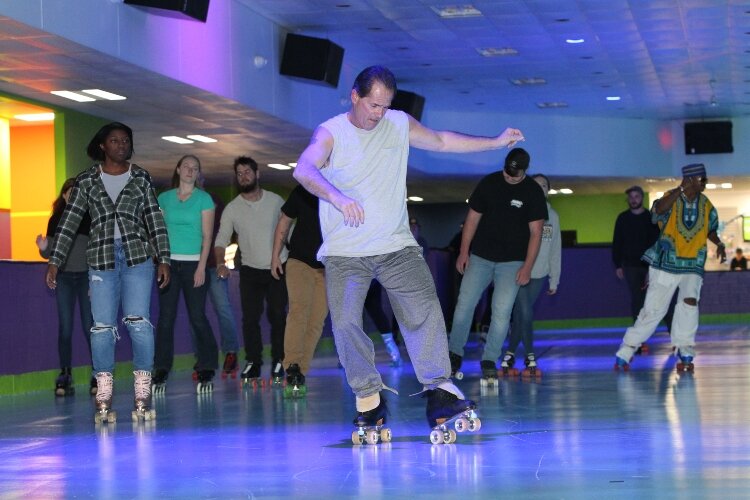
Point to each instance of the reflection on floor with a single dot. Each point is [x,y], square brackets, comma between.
[583,431]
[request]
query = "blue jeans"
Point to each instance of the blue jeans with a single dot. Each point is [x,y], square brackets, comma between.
[131,286]
[218,293]
[479,273]
[71,286]
[521,328]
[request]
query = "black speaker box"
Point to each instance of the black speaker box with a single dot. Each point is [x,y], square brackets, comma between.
[410,102]
[197,9]
[315,59]
[708,137]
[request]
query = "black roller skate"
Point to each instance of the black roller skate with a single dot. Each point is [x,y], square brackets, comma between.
[445,408]
[159,381]
[251,374]
[456,361]
[142,410]
[531,371]
[205,382]
[277,373]
[295,382]
[230,366]
[104,412]
[507,364]
[195,372]
[64,383]
[684,363]
[489,374]
[371,425]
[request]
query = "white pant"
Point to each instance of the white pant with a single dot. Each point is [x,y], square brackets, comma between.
[661,288]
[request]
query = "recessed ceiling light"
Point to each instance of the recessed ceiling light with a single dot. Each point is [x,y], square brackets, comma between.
[613,98]
[72,96]
[552,191]
[454,11]
[566,191]
[201,138]
[36,117]
[497,51]
[528,81]
[103,94]
[415,198]
[554,104]
[279,166]
[710,186]
[574,40]
[726,185]
[177,140]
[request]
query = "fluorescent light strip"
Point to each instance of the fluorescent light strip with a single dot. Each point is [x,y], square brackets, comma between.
[178,140]
[415,198]
[201,138]
[575,40]
[36,117]
[293,165]
[67,94]
[566,191]
[726,185]
[279,166]
[613,98]
[103,94]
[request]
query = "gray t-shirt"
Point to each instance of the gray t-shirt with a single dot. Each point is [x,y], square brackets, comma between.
[114,184]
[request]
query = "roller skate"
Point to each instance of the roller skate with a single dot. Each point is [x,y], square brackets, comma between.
[159,381]
[531,371]
[506,366]
[643,349]
[195,372]
[104,412]
[142,404]
[445,408]
[205,382]
[295,382]
[277,373]
[392,349]
[371,425]
[684,363]
[456,361]
[230,366]
[489,374]
[64,383]
[92,386]
[251,375]
[621,364]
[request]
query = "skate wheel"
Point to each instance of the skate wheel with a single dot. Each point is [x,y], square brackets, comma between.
[356,438]
[195,375]
[372,437]
[459,375]
[98,418]
[111,417]
[449,436]
[482,382]
[461,424]
[436,437]
[385,435]
[474,424]
[150,415]
[60,392]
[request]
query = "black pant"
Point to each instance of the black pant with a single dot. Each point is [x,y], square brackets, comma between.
[255,286]
[181,279]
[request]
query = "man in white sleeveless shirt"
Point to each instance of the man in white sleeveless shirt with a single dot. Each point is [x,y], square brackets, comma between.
[356,164]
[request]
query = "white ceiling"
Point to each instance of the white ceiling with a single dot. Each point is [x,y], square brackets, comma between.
[666,59]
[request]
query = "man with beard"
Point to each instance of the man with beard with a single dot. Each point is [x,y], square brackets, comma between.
[253,216]
[634,233]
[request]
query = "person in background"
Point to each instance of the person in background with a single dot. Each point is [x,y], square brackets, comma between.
[72,285]
[739,262]
[127,227]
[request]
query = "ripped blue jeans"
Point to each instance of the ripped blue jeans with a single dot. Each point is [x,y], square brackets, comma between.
[131,286]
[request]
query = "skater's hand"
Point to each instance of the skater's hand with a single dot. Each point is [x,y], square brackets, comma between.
[461,262]
[222,271]
[353,213]
[277,268]
[162,274]
[620,273]
[721,253]
[41,242]
[199,277]
[523,276]
[552,291]
[51,277]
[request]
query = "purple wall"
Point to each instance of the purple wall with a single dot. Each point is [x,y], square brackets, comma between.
[588,289]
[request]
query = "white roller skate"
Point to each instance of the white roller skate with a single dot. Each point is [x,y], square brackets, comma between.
[445,408]
[159,382]
[251,375]
[205,382]
[371,425]
[104,412]
[507,365]
[142,403]
[489,374]
[531,371]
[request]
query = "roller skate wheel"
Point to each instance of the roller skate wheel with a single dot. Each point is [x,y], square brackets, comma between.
[372,437]
[461,424]
[449,436]
[356,438]
[224,375]
[98,418]
[385,435]
[459,375]
[474,425]
[436,437]
[482,382]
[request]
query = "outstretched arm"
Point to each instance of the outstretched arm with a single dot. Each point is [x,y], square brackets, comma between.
[445,141]
[308,174]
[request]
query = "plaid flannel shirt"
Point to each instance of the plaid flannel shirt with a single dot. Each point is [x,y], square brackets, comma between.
[142,227]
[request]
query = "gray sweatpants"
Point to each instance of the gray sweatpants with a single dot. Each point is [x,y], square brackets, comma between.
[411,290]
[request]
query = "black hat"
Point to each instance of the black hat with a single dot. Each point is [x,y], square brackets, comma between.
[518,158]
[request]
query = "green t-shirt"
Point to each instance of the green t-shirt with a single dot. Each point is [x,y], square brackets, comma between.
[183,220]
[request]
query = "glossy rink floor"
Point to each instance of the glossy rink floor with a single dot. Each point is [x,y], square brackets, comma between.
[583,431]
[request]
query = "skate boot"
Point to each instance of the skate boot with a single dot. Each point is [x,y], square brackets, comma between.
[295,382]
[92,386]
[277,373]
[531,371]
[456,365]
[195,372]
[230,366]
[142,403]
[684,363]
[621,364]
[104,412]
[445,407]
[489,374]
[205,382]
[159,381]
[506,366]
[64,383]
[370,424]
[392,349]
[251,375]
[642,349]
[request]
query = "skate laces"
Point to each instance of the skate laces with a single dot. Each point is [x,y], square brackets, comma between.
[104,384]
[142,384]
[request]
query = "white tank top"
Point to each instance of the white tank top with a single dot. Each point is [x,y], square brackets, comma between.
[368,166]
